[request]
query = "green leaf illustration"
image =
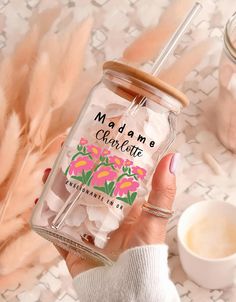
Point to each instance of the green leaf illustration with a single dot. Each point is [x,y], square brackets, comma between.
[102,158]
[67,169]
[106,188]
[110,186]
[102,189]
[84,177]
[80,178]
[84,149]
[125,199]
[79,147]
[125,169]
[87,176]
[129,170]
[133,196]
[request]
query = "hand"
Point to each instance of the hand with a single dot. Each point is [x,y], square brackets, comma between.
[139,227]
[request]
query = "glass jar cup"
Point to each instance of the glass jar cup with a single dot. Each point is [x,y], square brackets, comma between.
[107,160]
[226,103]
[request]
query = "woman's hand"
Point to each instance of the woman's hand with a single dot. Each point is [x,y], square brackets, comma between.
[139,227]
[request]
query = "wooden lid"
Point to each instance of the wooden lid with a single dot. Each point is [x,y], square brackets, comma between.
[147,78]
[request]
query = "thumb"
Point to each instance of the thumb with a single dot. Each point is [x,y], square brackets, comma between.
[164,182]
[152,228]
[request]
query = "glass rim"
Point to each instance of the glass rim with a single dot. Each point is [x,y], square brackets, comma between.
[229,45]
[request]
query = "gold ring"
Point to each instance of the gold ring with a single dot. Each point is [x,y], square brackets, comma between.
[157,211]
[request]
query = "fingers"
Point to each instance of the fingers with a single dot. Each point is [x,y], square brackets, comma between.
[152,229]
[61,251]
[164,182]
[75,263]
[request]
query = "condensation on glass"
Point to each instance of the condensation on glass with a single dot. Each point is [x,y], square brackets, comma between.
[107,160]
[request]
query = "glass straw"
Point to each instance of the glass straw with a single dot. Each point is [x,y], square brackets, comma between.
[167,50]
[174,40]
[165,53]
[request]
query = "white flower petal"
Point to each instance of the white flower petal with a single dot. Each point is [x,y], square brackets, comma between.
[45,217]
[77,216]
[114,110]
[97,213]
[109,224]
[54,202]
[91,227]
[100,240]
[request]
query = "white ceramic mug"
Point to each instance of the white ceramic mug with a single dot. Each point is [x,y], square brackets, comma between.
[211,273]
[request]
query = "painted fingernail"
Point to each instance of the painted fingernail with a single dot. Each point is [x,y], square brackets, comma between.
[36,200]
[48,170]
[174,162]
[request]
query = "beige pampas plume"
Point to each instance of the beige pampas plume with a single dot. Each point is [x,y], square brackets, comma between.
[38,100]
[3,110]
[47,254]
[68,113]
[72,63]
[26,49]
[53,46]
[19,193]
[149,44]
[26,52]
[9,146]
[177,72]
[21,277]
[68,74]
[65,21]
[6,76]
[49,64]
[45,19]
[12,257]
[10,228]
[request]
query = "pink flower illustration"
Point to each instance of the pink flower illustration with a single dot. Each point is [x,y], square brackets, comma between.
[117,161]
[125,185]
[128,162]
[80,164]
[103,174]
[105,152]
[83,141]
[140,172]
[94,150]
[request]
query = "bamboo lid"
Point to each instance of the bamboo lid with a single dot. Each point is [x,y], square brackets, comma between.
[148,79]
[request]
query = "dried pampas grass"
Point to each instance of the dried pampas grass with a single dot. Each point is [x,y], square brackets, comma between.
[37,81]
[9,146]
[149,44]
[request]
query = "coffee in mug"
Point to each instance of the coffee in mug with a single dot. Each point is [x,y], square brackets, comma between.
[207,243]
[212,237]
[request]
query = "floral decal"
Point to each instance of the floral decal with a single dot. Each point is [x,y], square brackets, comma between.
[140,172]
[110,174]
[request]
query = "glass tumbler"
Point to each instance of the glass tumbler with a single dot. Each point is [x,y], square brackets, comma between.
[107,160]
[226,104]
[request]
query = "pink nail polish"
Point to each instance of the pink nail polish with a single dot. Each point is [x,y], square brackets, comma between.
[174,162]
